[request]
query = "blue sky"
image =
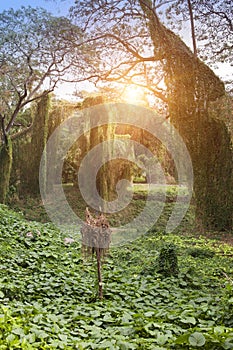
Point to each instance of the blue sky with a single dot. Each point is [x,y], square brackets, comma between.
[57,7]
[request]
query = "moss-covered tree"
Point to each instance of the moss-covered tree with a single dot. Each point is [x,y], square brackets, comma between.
[30,175]
[111,171]
[5,168]
[35,48]
[191,89]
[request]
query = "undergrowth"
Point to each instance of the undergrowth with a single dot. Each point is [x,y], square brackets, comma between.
[48,293]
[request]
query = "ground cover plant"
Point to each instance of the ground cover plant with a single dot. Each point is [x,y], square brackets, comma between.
[48,293]
[33,208]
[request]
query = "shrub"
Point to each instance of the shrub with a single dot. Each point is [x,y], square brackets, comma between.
[167,260]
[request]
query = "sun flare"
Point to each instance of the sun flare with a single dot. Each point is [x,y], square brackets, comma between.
[134,94]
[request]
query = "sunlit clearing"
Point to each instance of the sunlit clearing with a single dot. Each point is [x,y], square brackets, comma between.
[134,95]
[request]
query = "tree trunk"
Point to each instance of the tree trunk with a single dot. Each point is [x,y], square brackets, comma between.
[29,172]
[5,169]
[192,87]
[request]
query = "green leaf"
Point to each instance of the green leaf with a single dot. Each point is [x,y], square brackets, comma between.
[197,339]
[126,331]
[108,317]
[219,330]
[228,344]
[125,345]
[63,337]
[42,335]
[162,339]
[182,339]
[10,337]
[106,344]
[126,318]
[53,317]
[18,331]
[149,313]
[188,319]
[31,337]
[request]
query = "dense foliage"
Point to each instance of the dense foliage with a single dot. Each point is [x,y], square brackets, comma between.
[36,50]
[48,298]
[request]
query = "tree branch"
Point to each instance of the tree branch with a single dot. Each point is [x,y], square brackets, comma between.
[21,133]
[220,14]
[128,46]
[192,28]
[17,109]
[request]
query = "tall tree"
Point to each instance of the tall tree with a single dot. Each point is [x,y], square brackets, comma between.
[124,33]
[36,50]
[192,87]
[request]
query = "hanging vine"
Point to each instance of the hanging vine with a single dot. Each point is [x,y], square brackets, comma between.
[192,87]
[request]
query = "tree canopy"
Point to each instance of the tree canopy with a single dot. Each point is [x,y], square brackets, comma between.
[120,26]
[36,50]
[124,53]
